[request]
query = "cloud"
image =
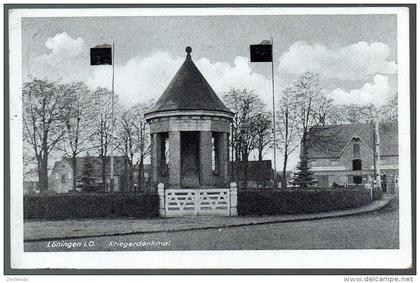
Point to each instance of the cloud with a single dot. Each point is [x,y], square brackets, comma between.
[142,79]
[62,46]
[64,61]
[223,76]
[357,61]
[377,93]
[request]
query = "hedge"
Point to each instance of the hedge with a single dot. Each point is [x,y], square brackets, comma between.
[90,205]
[142,205]
[298,201]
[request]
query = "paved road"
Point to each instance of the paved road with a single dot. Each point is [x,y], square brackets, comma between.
[376,230]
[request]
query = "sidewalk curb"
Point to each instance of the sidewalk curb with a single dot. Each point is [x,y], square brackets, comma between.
[307,218]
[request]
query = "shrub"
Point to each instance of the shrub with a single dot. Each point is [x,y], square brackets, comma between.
[298,201]
[377,193]
[90,205]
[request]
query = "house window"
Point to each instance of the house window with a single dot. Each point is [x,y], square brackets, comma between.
[357,179]
[215,153]
[356,150]
[357,164]
[63,179]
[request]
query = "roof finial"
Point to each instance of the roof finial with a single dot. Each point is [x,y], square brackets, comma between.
[188,49]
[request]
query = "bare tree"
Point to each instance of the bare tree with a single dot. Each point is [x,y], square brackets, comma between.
[356,113]
[78,118]
[233,99]
[389,111]
[135,144]
[250,125]
[312,113]
[366,113]
[263,132]
[43,110]
[143,139]
[288,131]
[29,162]
[101,107]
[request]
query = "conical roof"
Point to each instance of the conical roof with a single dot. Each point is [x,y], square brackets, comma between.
[189,90]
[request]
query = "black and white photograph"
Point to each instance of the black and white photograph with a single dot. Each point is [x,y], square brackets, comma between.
[212,137]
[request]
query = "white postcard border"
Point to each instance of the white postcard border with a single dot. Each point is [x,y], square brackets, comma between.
[208,259]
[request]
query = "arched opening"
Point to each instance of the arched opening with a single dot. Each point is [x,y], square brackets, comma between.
[190,156]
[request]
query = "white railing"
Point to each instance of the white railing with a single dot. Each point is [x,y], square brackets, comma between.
[196,202]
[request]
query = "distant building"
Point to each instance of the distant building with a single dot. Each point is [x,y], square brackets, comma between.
[88,174]
[258,174]
[346,157]
[30,187]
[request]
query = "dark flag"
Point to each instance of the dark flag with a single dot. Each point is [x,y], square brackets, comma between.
[262,52]
[101,55]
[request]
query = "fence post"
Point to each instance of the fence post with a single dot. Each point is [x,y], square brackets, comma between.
[197,201]
[161,192]
[371,193]
[369,187]
[233,199]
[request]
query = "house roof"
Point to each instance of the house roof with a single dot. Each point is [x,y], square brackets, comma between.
[333,139]
[257,170]
[189,90]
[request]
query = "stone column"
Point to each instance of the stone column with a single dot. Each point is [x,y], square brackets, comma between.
[155,158]
[223,158]
[205,158]
[174,160]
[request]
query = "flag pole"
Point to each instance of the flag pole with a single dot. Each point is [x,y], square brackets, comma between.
[232,174]
[378,155]
[112,123]
[374,179]
[274,114]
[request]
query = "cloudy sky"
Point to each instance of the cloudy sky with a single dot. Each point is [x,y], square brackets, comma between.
[356,55]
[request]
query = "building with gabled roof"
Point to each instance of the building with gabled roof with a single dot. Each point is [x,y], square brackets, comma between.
[346,157]
[61,178]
